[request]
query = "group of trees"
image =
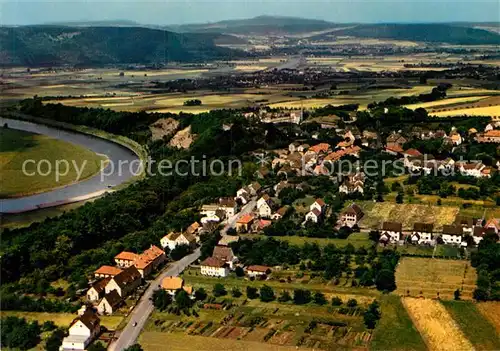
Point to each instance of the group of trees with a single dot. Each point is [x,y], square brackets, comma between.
[17,333]
[487,263]
[330,262]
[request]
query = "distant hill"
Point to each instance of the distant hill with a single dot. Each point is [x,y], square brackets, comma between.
[453,33]
[259,25]
[56,45]
[443,33]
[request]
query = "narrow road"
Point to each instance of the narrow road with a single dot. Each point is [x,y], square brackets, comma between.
[231,222]
[145,307]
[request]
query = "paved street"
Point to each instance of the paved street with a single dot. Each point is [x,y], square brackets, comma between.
[231,222]
[145,307]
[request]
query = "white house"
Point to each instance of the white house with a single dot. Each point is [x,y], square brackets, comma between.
[422,233]
[391,232]
[225,254]
[452,234]
[472,169]
[319,205]
[96,291]
[243,195]
[351,216]
[173,239]
[109,303]
[214,267]
[228,205]
[85,328]
[313,216]
[257,270]
[125,282]
[265,210]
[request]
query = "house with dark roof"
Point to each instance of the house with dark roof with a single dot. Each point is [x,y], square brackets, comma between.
[257,270]
[452,234]
[351,216]
[82,330]
[225,253]
[125,282]
[391,232]
[214,267]
[109,303]
[97,289]
[422,233]
[173,239]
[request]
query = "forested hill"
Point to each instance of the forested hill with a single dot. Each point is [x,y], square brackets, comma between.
[56,45]
[445,33]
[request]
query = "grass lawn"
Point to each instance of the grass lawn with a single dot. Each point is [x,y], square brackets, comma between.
[395,330]
[152,341]
[356,239]
[480,332]
[435,276]
[61,319]
[18,146]
[194,278]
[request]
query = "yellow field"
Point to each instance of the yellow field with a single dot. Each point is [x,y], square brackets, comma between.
[250,68]
[430,276]
[477,111]
[152,341]
[408,214]
[446,102]
[437,327]
[491,311]
[61,319]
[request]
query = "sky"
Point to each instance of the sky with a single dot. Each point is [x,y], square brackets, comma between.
[22,12]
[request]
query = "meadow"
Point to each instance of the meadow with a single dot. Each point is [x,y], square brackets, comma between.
[17,146]
[480,332]
[356,239]
[61,319]
[439,330]
[432,277]
[395,330]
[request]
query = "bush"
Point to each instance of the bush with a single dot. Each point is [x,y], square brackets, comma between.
[235,292]
[252,292]
[336,301]
[266,294]
[219,290]
[352,303]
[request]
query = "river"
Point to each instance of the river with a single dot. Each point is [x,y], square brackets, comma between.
[96,185]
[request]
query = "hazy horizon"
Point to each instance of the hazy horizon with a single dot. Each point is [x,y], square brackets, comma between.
[199,11]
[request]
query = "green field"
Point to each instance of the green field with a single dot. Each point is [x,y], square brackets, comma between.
[61,319]
[18,146]
[480,332]
[395,330]
[356,239]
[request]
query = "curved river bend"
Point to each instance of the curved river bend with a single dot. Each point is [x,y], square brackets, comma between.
[88,188]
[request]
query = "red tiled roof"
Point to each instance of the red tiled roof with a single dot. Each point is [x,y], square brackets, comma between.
[108,270]
[413,152]
[258,268]
[322,147]
[245,219]
[126,256]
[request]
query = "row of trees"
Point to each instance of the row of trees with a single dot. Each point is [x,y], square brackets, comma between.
[330,261]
